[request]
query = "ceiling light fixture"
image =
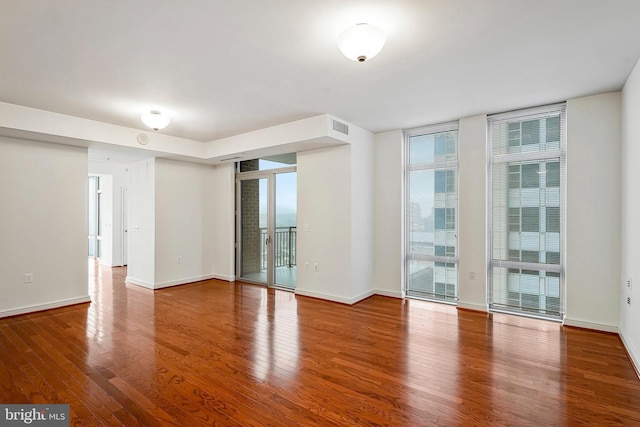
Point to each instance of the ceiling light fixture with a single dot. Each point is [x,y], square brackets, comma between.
[361,42]
[155,119]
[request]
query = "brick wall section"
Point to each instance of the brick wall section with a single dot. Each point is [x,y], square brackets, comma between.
[251,244]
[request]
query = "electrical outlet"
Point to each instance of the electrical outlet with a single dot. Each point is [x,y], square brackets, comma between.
[306,265]
[629,300]
[316,267]
[179,259]
[28,278]
[629,284]
[472,275]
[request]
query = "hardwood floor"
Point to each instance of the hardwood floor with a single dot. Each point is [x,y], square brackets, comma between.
[214,353]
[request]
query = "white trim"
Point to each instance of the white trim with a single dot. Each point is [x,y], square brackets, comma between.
[42,307]
[633,356]
[590,325]
[153,286]
[538,112]
[475,307]
[428,129]
[138,282]
[391,294]
[334,298]
[183,281]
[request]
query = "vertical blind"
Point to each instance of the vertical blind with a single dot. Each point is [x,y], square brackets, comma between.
[526,211]
[431,212]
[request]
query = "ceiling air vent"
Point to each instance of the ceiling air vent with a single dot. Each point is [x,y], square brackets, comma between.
[230,158]
[340,127]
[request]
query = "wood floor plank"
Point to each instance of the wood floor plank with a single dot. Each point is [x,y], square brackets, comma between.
[219,353]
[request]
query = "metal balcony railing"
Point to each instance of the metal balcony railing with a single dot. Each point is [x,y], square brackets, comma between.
[284,247]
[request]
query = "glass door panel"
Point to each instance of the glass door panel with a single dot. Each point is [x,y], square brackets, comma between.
[284,245]
[253,229]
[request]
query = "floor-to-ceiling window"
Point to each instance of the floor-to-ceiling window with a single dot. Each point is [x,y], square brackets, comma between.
[526,221]
[267,224]
[431,205]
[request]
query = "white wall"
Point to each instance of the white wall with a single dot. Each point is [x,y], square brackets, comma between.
[221,192]
[593,212]
[630,214]
[324,203]
[388,213]
[335,200]
[362,214]
[118,173]
[142,228]
[43,225]
[187,223]
[472,217]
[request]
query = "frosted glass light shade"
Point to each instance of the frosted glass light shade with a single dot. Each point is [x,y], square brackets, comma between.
[361,42]
[155,120]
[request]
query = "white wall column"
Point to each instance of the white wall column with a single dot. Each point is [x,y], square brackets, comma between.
[472,217]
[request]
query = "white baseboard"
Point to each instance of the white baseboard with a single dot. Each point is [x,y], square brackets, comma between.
[633,355]
[225,278]
[184,281]
[392,294]
[138,282]
[42,307]
[334,298]
[590,325]
[144,284]
[470,306]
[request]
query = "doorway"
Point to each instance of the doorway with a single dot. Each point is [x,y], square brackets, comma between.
[266,222]
[125,226]
[94,198]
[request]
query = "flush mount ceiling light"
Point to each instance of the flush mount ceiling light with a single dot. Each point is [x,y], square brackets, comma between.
[155,119]
[361,42]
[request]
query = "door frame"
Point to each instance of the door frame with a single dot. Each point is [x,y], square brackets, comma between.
[270,175]
[124,242]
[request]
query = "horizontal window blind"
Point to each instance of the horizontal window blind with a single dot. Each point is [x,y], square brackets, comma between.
[431,212]
[527,185]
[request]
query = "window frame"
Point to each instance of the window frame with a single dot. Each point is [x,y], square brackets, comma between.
[448,261]
[526,115]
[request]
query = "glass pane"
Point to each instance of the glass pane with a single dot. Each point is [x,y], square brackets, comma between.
[436,280]
[253,208]
[529,290]
[421,212]
[433,147]
[525,211]
[284,246]
[525,136]
[432,217]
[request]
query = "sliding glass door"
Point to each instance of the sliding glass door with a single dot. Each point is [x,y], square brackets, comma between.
[253,241]
[267,230]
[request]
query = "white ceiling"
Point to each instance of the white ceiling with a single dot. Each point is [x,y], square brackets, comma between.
[222,68]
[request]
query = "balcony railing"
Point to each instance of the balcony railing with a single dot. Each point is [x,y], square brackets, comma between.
[284,247]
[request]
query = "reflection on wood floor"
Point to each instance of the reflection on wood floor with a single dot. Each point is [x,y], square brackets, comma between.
[213,353]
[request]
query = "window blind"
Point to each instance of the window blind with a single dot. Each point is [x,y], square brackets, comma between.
[526,211]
